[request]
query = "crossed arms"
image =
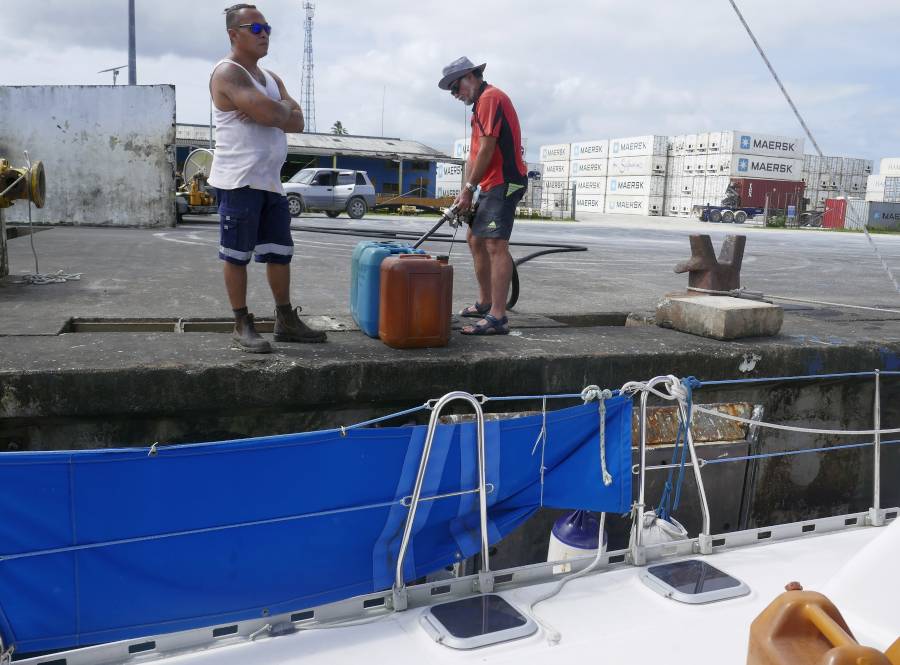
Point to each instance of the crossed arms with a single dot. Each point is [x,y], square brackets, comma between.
[232,90]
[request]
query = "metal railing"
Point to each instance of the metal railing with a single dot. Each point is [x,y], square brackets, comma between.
[485,578]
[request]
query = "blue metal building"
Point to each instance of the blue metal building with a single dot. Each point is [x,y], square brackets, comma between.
[395,166]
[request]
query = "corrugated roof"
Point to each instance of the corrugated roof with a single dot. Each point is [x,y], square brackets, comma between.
[330,144]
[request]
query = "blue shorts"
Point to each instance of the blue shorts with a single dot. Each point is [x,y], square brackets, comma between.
[253,221]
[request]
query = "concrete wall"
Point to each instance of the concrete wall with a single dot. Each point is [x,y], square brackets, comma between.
[107,150]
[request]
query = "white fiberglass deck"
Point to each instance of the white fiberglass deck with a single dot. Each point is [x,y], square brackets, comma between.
[610,617]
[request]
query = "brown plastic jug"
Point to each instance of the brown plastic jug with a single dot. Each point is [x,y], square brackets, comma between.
[416,299]
[805,628]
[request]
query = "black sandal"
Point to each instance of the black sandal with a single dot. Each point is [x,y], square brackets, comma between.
[491,326]
[476,311]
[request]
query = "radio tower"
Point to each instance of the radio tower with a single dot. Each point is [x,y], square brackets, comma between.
[307,81]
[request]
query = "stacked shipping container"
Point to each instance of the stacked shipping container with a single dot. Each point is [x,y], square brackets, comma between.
[636,181]
[703,165]
[827,177]
[670,175]
[555,169]
[587,172]
[885,187]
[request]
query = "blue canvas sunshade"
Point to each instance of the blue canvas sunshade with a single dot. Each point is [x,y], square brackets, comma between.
[107,545]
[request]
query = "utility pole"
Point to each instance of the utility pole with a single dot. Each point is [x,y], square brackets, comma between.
[132,55]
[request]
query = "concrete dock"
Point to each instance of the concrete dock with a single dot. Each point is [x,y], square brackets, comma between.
[174,274]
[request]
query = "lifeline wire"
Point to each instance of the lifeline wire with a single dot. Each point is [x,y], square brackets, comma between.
[752,295]
[809,134]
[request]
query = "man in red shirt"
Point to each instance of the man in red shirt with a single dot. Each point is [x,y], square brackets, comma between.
[496,165]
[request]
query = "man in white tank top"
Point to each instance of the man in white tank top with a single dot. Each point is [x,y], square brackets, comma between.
[252,112]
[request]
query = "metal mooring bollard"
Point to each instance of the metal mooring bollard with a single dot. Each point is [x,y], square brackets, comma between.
[708,272]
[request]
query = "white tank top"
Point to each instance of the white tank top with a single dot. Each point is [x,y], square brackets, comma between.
[248,154]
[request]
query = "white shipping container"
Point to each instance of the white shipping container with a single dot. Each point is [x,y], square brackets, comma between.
[715,141]
[690,143]
[589,186]
[714,189]
[711,162]
[698,186]
[445,171]
[589,203]
[670,205]
[703,142]
[858,183]
[647,165]
[825,181]
[752,143]
[461,148]
[549,185]
[693,164]
[675,165]
[558,152]
[756,166]
[647,185]
[875,183]
[589,167]
[638,146]
[442,190]
[868,166]
[634,205]
[556,170]
[890,166]
[678,144]
[686,187]
[590,150]
[875,195]
[673,185]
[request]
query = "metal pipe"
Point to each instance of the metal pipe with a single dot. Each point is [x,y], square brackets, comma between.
[876,518]
[132,50]
[705,537]
[637,552]
[399,584]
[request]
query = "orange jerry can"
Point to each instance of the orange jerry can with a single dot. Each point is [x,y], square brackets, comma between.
[416,300]
[805,628]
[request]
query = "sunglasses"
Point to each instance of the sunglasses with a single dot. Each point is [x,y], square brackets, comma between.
[257,28]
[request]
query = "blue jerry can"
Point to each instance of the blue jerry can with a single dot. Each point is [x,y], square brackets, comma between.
[365,280]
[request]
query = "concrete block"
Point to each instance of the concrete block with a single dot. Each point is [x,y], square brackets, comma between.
[719,317]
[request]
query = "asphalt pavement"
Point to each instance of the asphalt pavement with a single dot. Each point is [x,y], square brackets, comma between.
[628,266]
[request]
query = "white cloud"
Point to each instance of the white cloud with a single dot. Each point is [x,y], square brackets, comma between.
[575,70]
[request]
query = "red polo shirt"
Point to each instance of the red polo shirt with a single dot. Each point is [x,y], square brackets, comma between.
[493,115]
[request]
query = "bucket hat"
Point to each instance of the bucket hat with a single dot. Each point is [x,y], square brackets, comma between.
[456,70]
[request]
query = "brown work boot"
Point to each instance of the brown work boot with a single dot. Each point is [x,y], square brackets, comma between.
[289,327]
[245,338]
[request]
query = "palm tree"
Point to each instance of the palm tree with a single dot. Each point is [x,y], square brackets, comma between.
[338,128]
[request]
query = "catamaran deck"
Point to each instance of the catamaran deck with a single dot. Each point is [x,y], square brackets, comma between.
[609,616]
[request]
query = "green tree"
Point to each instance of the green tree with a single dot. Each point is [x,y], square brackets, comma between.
[339,129]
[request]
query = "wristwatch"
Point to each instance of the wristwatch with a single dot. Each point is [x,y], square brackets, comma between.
[471,187]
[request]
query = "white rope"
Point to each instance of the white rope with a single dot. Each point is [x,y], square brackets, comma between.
[553,635]
[792,428]
[806,129]
[542,439]
[58,277]
[591,393]
[753,295]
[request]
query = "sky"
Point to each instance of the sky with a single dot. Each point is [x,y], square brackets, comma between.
[574,70]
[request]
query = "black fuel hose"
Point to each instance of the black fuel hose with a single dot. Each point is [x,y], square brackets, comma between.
[359,232]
